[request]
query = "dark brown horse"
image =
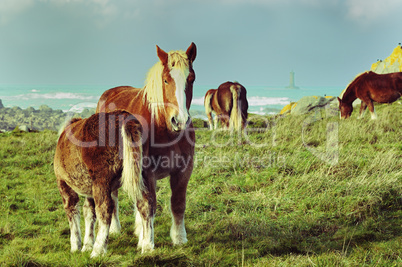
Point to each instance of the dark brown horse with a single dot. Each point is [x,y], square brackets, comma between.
[370,87]
[229,103]
[162,107]
[94,158]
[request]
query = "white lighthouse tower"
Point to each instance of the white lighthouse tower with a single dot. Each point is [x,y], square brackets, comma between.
[292,81]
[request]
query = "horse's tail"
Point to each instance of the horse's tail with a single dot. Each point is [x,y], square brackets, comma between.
[207,103]
[132,181]
[208,107]
[235,120]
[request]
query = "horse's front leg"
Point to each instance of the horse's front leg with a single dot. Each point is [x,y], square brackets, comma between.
[145,214]
[363,108]
[178,184]
[372,110]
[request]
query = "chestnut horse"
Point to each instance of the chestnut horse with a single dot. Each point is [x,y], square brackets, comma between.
[368,87]
[95,157]
[162,107]
[229,103]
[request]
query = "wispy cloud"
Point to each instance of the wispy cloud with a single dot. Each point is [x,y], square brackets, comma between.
[58,95]
[370,11]
[11,8]
[101,10]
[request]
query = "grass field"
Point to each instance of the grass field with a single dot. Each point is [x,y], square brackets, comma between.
[299,191]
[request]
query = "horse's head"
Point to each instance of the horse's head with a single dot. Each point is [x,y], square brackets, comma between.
[346,109]
[177,85]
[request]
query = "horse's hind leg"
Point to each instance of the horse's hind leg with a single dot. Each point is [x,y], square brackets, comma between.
[115,226]
[216,121]
[70,201]
[145,214]
[90,219]
[225,121]
[103,209]
[138,226]
[211,124]
[178,185]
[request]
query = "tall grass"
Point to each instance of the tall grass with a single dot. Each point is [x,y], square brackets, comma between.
[306,191]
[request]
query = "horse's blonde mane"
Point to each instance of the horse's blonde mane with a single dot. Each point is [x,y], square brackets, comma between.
[153,93]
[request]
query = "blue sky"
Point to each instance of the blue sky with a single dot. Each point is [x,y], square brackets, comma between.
[256,42]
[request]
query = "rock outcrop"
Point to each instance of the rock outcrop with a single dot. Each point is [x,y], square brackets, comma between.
[308,104]
[35,120]
[393,63]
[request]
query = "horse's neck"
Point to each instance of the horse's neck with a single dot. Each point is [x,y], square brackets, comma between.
[349,96]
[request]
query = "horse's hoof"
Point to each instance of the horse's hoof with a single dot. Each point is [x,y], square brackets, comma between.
[95,254]
[114,231]
[147,249]
[180,241]
[86,248]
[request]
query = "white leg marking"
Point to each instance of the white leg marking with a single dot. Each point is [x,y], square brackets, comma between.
[138,227]
[148,235]
[115,226]
[178,232]
[373,115]
[361,115]
[90,220]
[216,122]
[100,246]
[75,233]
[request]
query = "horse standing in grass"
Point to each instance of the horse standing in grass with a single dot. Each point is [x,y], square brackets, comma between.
[95,157]
[162,107]
[369,87]
[229,103]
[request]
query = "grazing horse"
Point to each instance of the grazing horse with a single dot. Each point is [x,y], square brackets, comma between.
[162,107]
[94,158]
[368,87]
[229,103]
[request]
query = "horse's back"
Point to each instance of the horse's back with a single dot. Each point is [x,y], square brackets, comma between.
[208,96]
[67,166]
[91,148]
[116,98]
[381,88]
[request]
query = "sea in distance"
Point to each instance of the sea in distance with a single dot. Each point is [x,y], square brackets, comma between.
[261,99]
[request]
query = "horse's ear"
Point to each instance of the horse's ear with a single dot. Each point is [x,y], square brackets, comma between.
[191,52]
[163,56]
[340,100]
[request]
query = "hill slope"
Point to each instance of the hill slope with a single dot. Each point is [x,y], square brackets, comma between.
[302,190]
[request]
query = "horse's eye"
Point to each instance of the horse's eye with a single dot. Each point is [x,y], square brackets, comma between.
[166,82]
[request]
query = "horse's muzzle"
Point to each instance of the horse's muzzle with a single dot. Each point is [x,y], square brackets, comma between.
[179,125]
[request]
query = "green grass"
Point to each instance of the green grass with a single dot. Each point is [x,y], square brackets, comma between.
[299,191]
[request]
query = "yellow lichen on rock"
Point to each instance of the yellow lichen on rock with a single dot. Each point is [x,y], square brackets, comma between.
[286,109]
[393,63]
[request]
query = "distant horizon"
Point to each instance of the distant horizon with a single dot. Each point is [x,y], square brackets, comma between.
[260,98]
